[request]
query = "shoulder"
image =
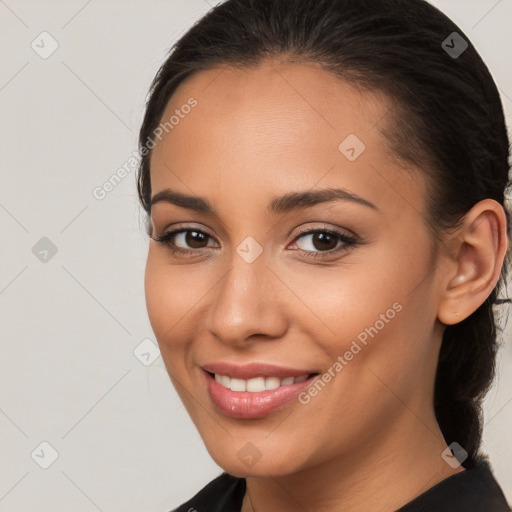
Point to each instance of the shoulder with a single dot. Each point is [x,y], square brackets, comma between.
[473,490]
[223,494]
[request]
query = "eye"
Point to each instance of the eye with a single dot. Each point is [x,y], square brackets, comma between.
[314,243]
[318,243]
[194,238]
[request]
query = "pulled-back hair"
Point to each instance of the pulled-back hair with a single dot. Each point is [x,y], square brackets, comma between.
[446,119]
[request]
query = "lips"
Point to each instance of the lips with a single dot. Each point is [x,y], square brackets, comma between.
[252,370]
[254,390]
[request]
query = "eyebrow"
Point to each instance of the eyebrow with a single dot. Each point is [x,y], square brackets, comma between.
[282,204]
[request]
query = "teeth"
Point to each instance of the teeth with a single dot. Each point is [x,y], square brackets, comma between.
[238,384]
[257,384]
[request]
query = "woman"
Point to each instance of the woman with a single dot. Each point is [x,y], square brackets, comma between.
[324,184]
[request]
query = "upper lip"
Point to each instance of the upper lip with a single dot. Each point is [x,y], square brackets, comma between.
[252,370]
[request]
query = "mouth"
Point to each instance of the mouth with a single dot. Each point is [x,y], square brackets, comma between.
[257,384]
[256,396]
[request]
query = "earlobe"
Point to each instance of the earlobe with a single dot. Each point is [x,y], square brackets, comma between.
[482,245]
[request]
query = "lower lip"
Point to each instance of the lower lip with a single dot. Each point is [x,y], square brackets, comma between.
[248,405]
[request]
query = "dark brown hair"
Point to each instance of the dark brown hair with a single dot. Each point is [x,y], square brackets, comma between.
[447,119]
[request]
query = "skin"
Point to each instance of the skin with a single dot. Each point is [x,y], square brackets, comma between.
[369,440]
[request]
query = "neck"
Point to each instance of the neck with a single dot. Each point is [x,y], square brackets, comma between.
[385,474]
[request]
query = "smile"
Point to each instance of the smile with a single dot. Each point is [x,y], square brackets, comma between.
[257,384]
[254,391]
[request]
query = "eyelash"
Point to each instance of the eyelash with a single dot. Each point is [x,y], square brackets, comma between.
[348,242]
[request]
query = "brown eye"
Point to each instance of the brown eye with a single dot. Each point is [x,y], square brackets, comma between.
[184,240]
[324,241]
[195,239]
[321,240]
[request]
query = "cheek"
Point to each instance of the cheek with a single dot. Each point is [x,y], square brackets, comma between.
[377,315]
[345,300]
[172,293]
[158,292]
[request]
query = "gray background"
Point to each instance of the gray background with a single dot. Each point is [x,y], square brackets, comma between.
[72,320]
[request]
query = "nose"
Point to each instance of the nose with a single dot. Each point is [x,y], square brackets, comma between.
[248,302]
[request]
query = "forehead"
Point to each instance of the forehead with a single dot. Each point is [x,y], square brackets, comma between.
[277,126]
[296,98]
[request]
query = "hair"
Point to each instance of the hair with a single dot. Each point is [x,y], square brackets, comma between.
[447,120]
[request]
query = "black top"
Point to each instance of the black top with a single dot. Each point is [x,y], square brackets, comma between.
[473,490]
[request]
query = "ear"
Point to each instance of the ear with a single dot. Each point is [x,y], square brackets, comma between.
[479,247]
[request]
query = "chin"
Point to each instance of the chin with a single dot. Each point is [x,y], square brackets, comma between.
[244,459]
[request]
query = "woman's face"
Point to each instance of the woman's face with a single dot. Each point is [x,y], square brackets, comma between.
[355,302]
